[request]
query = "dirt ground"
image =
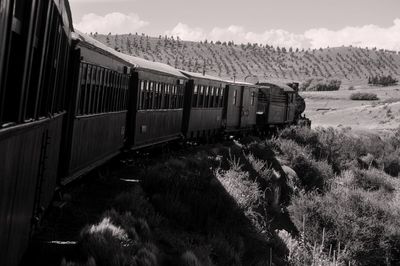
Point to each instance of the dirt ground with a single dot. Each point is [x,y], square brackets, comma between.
[336,109]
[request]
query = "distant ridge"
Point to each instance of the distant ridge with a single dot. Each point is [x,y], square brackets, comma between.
[228,60]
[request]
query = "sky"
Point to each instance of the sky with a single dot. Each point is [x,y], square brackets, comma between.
[289,23]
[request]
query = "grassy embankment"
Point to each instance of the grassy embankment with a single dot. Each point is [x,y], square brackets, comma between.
[223,206]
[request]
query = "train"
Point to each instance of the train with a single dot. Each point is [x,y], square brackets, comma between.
[69,103]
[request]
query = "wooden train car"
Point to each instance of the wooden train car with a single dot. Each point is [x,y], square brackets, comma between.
[98,106]
[204,103]
[156,103]
[34,65]
[276,105]
[241,100]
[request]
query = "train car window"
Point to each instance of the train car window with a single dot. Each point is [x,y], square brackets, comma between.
[141,94]
[82,86]
[195,96]
[221,103]
[87,87]
[99,90]
[181,90]
[92,96]
[12,99]
[102,86]
[115,92]
[162,91]
[234,97]
[201,98]
[99,83]
[110,91]
[159,97]
[206,97]
[176,96]
[119,94]
[166,96]
[122,93]
[217,95]
[106,89]
[214,96]
[173,97]
[146,95]
[37,45]
[155,95]
[151,98]
[92,100]
[125,93]
[162,95]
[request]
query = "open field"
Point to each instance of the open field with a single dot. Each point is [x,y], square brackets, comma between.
[334,108]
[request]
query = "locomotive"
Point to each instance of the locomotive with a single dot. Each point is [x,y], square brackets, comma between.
[68,104]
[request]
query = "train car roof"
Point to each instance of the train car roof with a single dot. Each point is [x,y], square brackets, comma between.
[136,62]
[201,76]
[276,84]
[242,83]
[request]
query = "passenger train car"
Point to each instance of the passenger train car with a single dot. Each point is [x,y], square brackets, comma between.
[69,103]
[35,49]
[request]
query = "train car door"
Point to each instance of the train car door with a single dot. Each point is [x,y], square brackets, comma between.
[249,101]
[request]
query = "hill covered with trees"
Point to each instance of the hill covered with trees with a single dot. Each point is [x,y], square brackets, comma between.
[230,60]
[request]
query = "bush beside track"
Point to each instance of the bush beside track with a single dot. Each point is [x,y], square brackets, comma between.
[218,206]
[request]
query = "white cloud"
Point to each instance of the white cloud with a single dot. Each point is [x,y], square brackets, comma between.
[368,35]
[186,33]
[113,22]
[238,34]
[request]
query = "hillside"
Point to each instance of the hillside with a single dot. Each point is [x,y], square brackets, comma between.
[349,64]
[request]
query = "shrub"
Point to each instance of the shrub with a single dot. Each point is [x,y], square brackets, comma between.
[363,96]
[321,85]
[245,192]
[301,135]
[189,259]
[312,174]
[382,80]
[364,223]
[106,243]
[302,253]
[391,163]
[370,180]
[290,150]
